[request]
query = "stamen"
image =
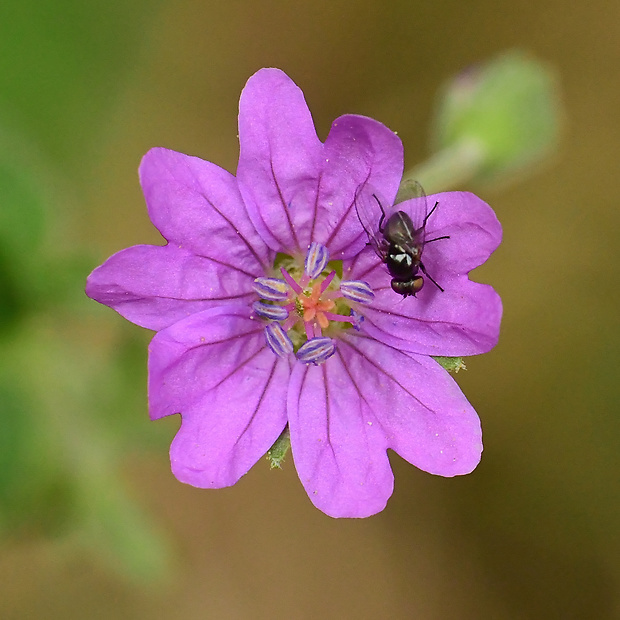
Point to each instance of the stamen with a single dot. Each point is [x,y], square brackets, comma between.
[328,281]
[277,340]
[308,328]
[316,260]
[301,306]
[291,281]
[271,288]
[268,311]
[339,318]
[357,319]
[357,290]
[316,350]
[292,319]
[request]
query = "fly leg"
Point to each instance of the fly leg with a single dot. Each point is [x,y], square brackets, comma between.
[429,214]
[382,213]
[436,239]
[423,268]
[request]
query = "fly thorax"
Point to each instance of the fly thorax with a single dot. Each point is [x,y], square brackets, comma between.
[400,263]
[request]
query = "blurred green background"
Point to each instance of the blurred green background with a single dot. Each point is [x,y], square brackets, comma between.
[93,524]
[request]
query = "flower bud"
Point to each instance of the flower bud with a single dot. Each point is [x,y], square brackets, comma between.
[504,113]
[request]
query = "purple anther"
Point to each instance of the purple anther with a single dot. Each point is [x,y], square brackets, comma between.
[267,311]
[271,288]
[277,340]
[316,350]
[316,260]
[356,319]
[357,290]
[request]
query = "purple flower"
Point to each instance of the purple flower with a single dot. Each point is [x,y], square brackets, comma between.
[271,309]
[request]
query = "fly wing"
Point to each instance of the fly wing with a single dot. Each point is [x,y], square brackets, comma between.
[411,199]
[370,212]
[408,189]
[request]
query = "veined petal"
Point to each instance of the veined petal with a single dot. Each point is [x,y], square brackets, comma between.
[358,151]
[279,160]
[155,286]
[297,189]
[474,231]
[422,412]
[215,369]
[338,447]
[197,205]
[463,320]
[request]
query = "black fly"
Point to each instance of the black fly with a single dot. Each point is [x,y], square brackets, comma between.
[402,242]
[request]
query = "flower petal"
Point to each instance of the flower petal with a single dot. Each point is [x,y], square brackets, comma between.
[298,190]
[215,369]
[420,408]
[338,447]
[197,205]
[279,161]
[463,320]
[474,231]
[358,151]
[156,286]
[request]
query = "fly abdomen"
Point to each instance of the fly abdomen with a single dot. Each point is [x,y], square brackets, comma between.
[407,288]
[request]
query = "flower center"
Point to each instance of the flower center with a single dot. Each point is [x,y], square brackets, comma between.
[306,308]
[313,308]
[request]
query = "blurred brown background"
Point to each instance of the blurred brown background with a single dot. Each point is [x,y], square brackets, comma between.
[533,532]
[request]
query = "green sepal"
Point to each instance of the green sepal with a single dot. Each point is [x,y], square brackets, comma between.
[451,364]
[278,451]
